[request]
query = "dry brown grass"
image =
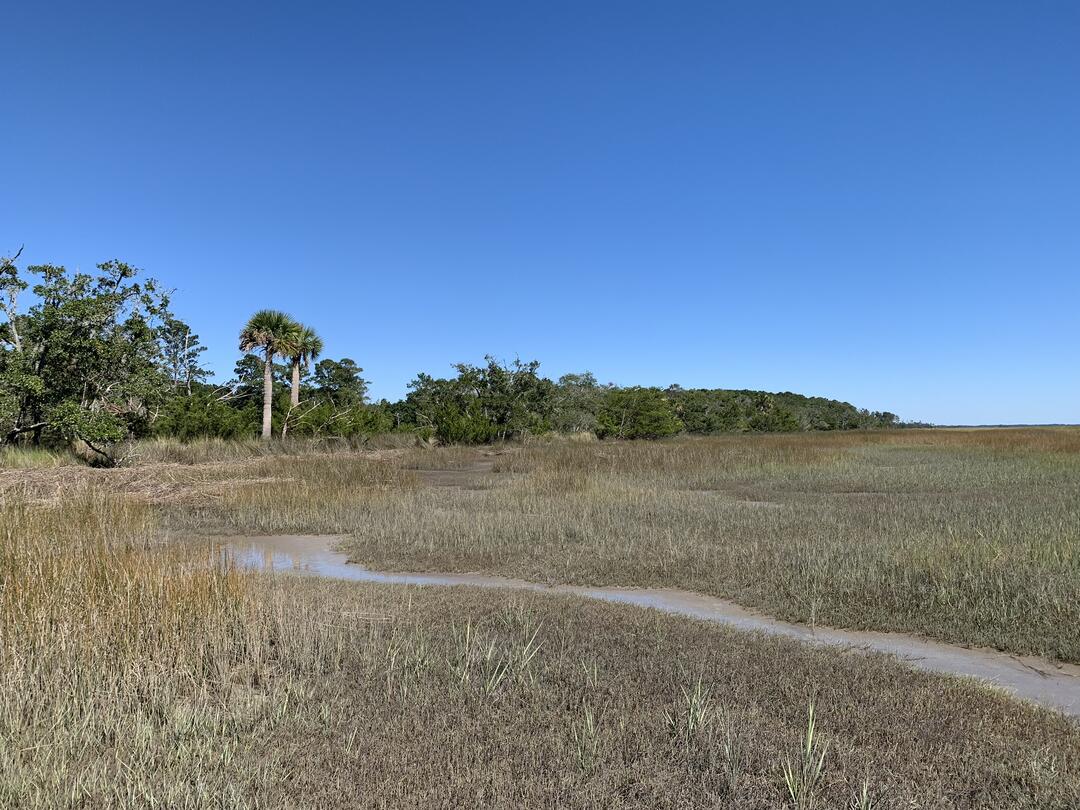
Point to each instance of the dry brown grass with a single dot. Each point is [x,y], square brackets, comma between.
[130,671]
[139,673]
[203,451]
[969,536]
[452,458]
[420,717]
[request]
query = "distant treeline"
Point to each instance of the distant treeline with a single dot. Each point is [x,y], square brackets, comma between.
[498,401]
[100,358]
[494,402]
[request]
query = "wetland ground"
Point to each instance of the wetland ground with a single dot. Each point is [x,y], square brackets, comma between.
[137,673]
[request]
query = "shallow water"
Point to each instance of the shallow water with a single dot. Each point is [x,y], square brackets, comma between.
[1038,680]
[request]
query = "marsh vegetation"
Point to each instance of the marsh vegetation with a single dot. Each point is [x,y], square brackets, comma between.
[139,672]
[967,536]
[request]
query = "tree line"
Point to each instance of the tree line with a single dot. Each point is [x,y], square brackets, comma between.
[100,358]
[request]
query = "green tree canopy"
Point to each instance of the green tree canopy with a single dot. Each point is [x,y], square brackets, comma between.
[181,350]
[300,346]
[637,413]
[87,360]
[578,400]
[274,334]
[339,382]
[482,403]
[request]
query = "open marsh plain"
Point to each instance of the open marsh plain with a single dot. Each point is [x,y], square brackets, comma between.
[971,537]
[140,672]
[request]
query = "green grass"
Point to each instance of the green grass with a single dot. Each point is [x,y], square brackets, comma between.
[33,458]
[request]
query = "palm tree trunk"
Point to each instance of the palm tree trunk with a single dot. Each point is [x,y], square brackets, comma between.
[268,395]
[294,399]
[294,396]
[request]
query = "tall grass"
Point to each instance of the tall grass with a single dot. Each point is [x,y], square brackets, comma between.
[136,673]
[202,451]
[454,457]
[970,536]
[293,495]
[127,669]
[33,458]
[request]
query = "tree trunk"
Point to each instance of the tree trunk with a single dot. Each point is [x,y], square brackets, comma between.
[294,395]
[295,398]
[187,361]
[268,394]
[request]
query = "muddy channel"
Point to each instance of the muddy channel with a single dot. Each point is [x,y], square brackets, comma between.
[1041,681]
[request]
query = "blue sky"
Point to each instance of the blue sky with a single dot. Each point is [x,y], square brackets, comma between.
[878,202]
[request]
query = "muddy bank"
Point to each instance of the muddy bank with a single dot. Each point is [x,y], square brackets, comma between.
[1035,679]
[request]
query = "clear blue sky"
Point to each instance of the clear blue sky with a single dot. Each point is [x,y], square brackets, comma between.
[874,201]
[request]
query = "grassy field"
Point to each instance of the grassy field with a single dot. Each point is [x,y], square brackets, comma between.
[135,673]
[968,536]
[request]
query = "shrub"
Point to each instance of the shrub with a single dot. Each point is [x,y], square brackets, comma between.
[637,413]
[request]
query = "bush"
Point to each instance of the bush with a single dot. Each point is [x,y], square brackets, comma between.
[636,413]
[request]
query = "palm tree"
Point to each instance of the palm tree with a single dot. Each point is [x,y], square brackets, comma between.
[267,330]
[302,346]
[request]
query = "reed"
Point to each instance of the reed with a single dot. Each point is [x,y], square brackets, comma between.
[968,536]
[137,670]
[128,667]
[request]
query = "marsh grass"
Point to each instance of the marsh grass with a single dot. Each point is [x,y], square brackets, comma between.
[554,739]
[138,673]
[804,775]
[449,458]
[131,672]
[291,494]
[202,451]
[969,536]
[586,735]
[34,458]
